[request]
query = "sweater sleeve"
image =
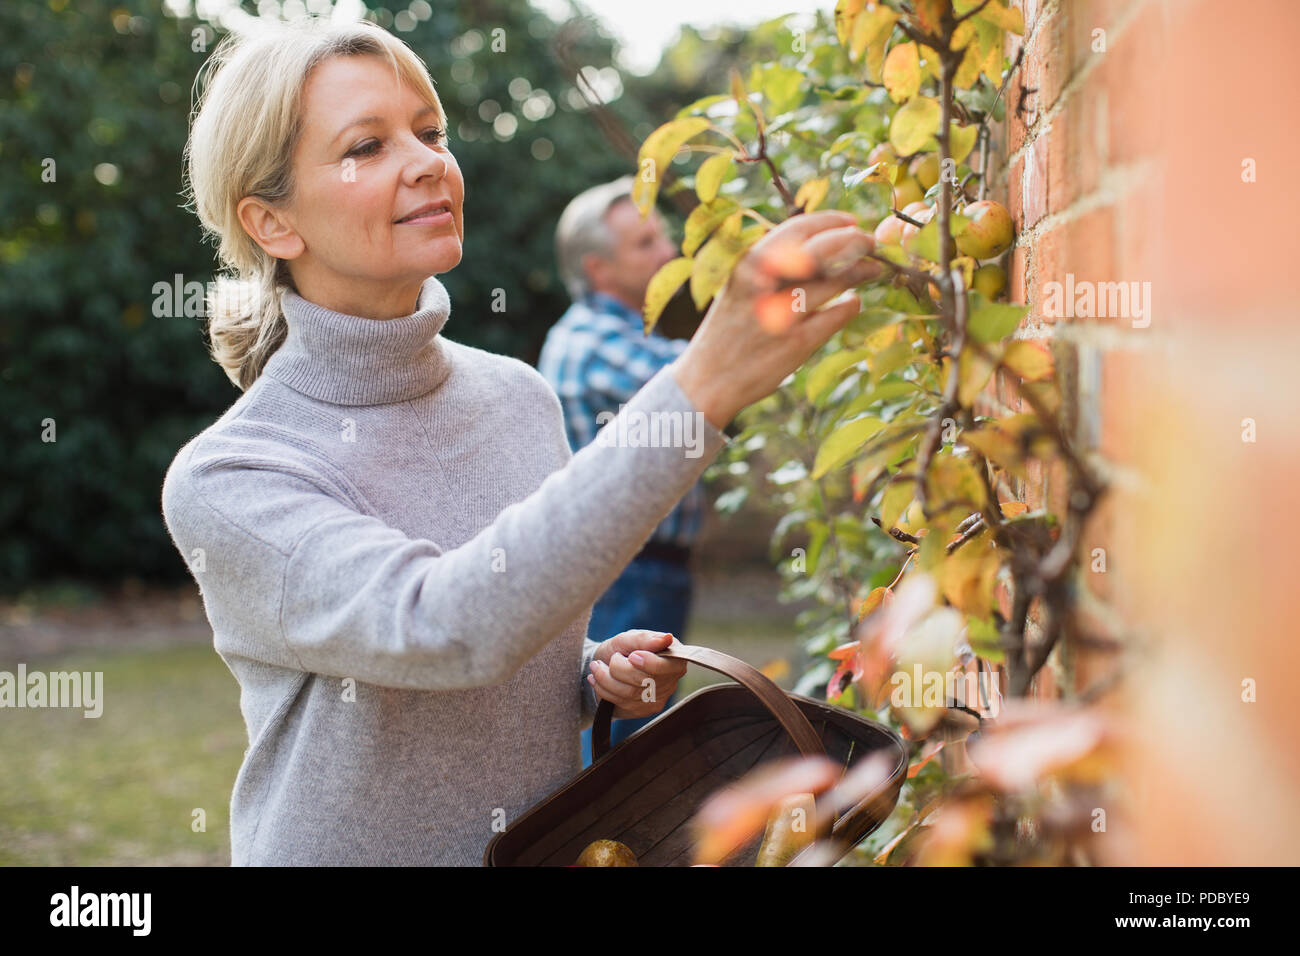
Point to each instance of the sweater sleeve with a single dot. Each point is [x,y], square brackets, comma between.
[294,575]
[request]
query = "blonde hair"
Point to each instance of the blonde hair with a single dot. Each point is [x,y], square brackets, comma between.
[244,127]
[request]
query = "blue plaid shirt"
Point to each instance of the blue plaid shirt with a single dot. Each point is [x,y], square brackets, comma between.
[596,357]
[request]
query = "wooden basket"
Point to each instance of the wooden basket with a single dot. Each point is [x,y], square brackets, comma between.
[644,792]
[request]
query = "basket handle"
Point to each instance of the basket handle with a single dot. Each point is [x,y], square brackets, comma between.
[787,713]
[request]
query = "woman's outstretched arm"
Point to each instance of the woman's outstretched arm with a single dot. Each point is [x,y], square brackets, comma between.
[294,575]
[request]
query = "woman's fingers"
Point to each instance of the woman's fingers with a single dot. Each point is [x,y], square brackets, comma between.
[798,229]
[609,688]
[779,311]
[661,670]
[625,682]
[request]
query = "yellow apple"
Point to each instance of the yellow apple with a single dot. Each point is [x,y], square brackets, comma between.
[990,231]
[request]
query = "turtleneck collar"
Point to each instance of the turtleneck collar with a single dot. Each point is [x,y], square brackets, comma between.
[349,360]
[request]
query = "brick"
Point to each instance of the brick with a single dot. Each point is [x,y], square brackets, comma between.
[1062,183]
[1130,72]
[1035,488]
[1099,532]
[1140,231]
[1057,490]
[1053,53]
[1085,140]
[1084,248]
[1015,130]
[1122,373]
[1016,274]
[1048,266]
[1090,663]
[1015,198]
[1090,248]
[1034,183]
[1091,242]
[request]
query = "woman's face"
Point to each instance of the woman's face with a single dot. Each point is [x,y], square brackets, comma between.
[372,155]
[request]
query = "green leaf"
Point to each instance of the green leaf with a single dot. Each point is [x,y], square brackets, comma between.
[961,140]
[982,636]
[897,496]
[819,533]
[914,124]
[843,443]
[925,243]
[992,321]
[868,321]
[701,105]
[782,87]
[878,395]
[890,359]
[826,372]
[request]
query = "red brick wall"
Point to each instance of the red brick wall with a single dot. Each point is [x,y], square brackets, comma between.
[1127,165]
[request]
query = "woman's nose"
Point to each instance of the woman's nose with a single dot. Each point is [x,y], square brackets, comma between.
[424,160]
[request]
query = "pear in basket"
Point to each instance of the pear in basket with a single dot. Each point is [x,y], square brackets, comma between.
[606,853]
[789,829]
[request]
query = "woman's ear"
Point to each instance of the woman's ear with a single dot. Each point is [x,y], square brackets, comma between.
[269,228]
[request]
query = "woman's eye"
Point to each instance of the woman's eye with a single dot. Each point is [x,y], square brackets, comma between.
[433,134]
[365,149]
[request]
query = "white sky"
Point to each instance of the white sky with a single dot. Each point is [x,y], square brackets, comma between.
[645,28]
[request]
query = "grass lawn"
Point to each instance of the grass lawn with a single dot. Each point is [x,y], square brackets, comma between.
[121,789]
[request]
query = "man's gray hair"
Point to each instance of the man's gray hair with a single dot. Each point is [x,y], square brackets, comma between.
[582,230]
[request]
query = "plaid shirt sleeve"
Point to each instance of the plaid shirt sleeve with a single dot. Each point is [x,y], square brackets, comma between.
[596,358]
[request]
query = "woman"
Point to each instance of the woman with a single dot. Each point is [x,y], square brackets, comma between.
[396,550]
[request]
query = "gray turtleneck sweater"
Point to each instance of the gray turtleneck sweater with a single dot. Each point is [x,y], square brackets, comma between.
[398,554]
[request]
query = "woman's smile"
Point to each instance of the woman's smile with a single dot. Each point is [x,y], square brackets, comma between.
[437,214]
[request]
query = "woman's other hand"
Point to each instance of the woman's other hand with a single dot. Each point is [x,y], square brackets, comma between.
[622,665]
[765,322]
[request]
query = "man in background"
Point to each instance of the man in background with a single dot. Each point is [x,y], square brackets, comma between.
[596,357]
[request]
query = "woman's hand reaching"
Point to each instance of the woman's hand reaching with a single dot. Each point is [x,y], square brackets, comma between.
[623,664]
[764,323]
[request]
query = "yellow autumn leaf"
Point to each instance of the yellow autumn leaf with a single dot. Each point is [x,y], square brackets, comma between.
[811,193]
[997,446]
[657,152]
[968,576]
[902,72]
[663,286]
[846,14]
[711,174]
[1007,18]
[871,27]
[913,125]
[1032,361]
[974,372]
[705,218]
